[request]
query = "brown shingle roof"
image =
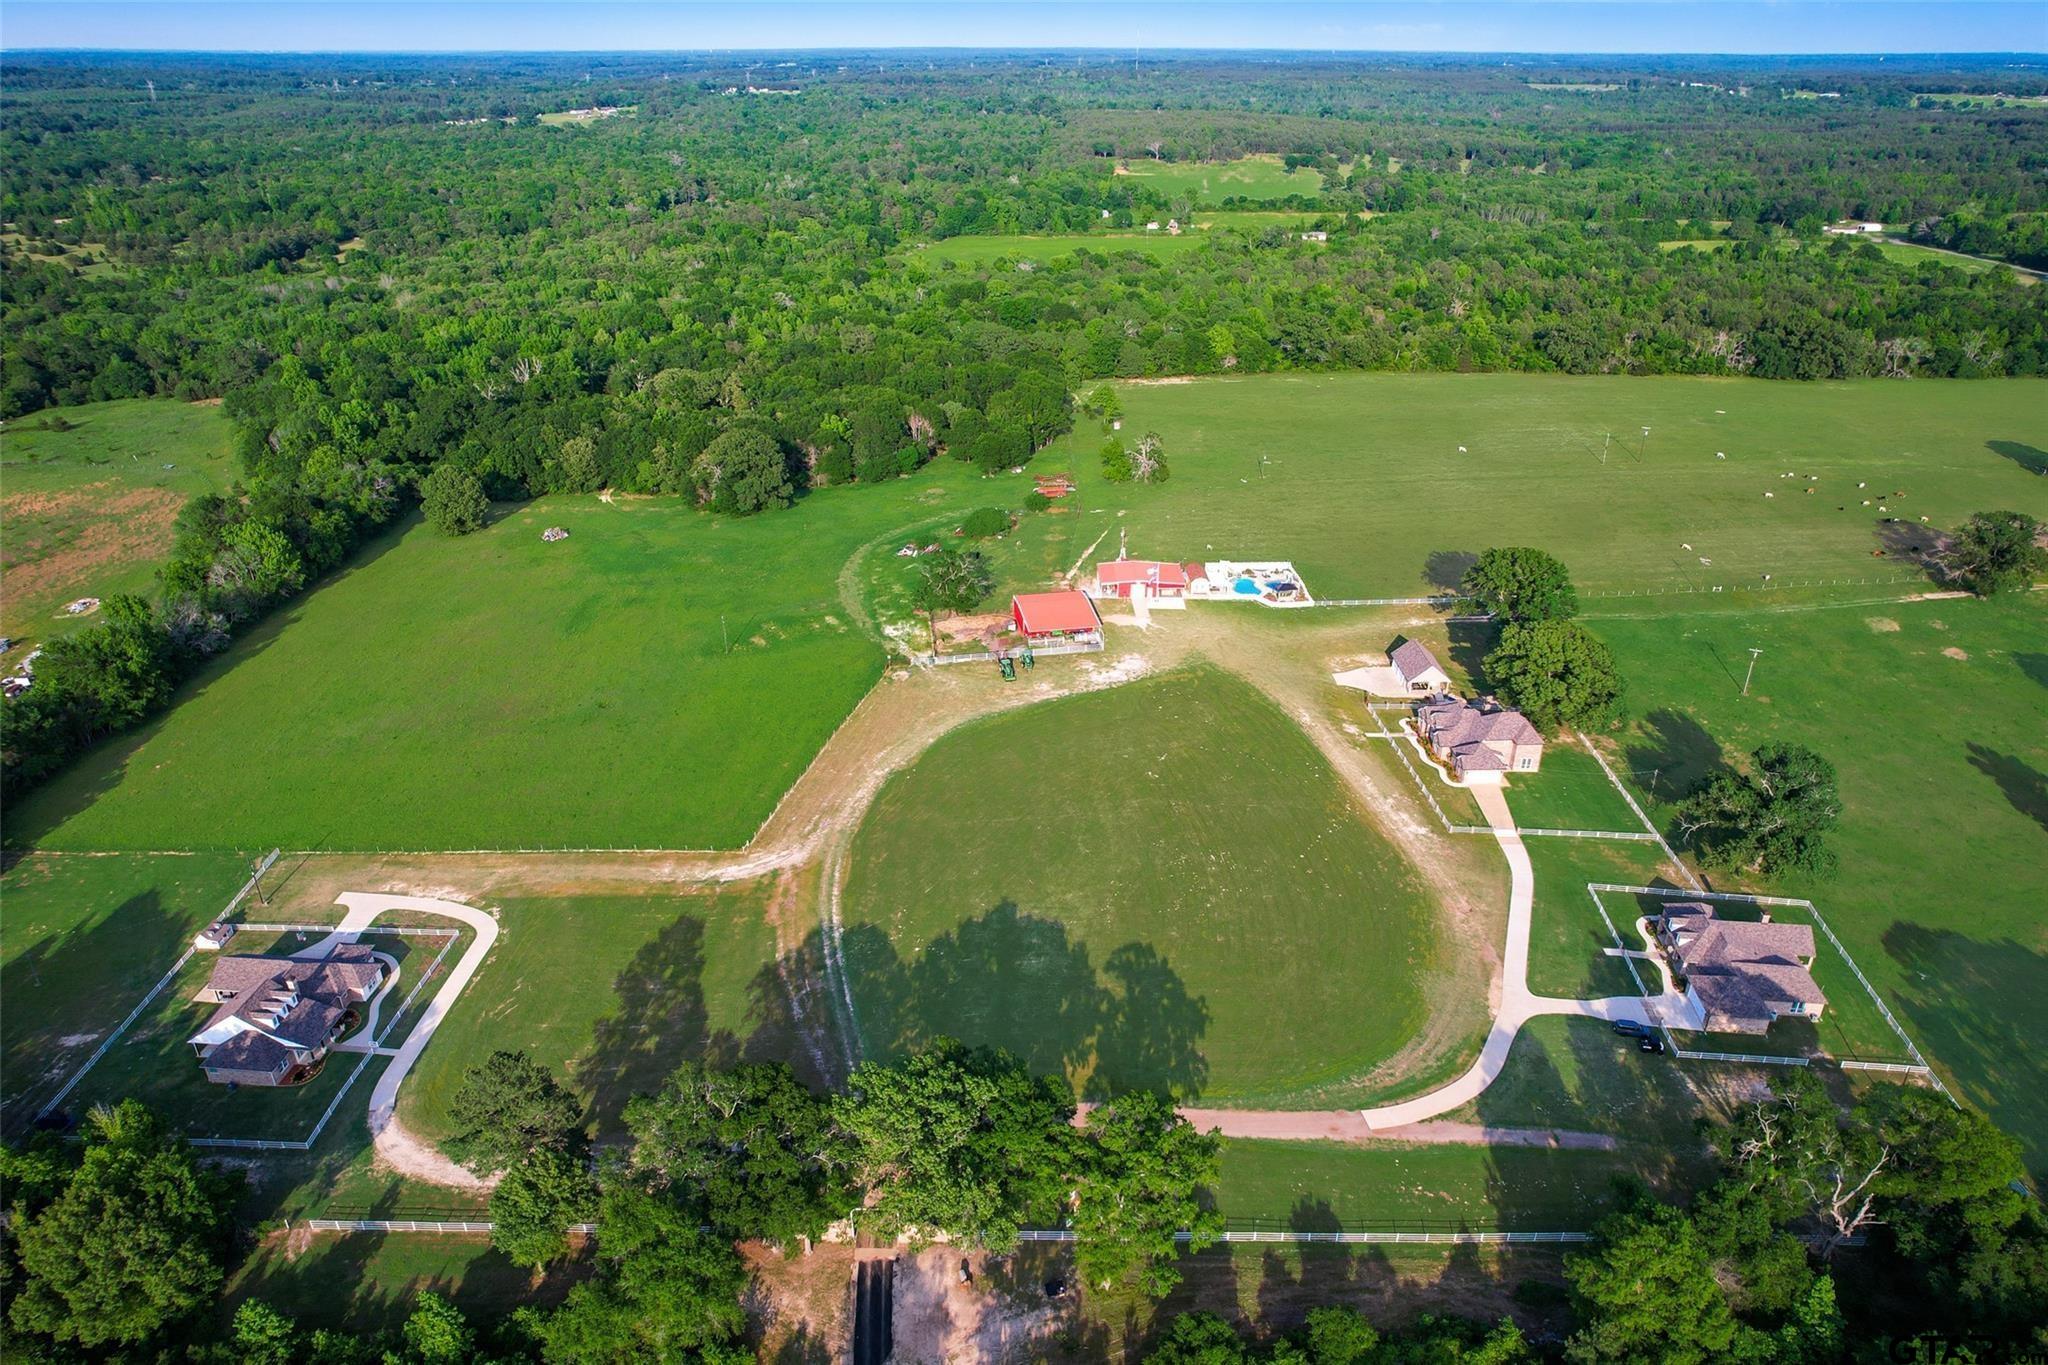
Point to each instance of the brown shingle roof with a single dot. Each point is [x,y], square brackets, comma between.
[1452,721]
[1412,659]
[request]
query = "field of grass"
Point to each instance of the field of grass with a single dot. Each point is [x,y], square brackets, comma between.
[1211,182]
[368,1282]
[1569,792]
[81,942]
[1914,254]
[1045,247]
[612,993]
[87,512]
[1351,461]
[1970,100]
[1316,1186]
[658,679]
[1162,884]
[1567,937]
[1695,244]
[1931,712]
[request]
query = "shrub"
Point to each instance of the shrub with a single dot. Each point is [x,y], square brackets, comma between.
[984,522]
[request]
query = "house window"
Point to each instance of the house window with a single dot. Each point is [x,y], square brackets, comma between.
[1526,763]
[1799,1007]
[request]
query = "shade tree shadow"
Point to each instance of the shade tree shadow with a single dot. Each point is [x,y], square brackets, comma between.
[2025,788]
[45,983]
[2035,666]
[1011,979]
[1977,1006]
[1446,569]
[1909,542]
[1671,753]
[660,1020]
[1471,642]
[1151,1029]
[2033,459]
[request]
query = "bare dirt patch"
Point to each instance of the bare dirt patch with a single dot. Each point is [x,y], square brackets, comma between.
[1883,625]
[802,1305]
[988,1317]
[1953,653]
[58,542]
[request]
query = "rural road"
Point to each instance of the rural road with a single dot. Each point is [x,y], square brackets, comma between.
[1517,1004]
[405,1153]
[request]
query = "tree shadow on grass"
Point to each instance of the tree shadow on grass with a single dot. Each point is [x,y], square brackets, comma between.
[660,1020]
[53,987]
[2025,788]
[1445,570]
[1020,982]
[1977,1007]
[1911,543]
[2035,666]
[1471,642]
[2033,459]
[1671,753]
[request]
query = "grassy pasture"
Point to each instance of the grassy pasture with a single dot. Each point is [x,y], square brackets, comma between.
[1313,1186]
[84,940]
[1362,485]
[1093,882]
[613,993]
[1931,712]
[1912,253]
[87,512]
[658,679]
[1047,247]
[368,1282]
[1569,792]
[1211,182]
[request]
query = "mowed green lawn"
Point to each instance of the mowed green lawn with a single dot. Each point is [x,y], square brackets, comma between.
[1933,713]
[656,680]
[1390,1186]
[82,939]
[1211,182]
[1363,487]
[87,512]
[612,993]
[1162,884]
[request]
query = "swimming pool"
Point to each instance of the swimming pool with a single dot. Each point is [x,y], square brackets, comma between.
[1248,587]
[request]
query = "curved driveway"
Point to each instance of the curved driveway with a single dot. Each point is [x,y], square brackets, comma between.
[1517,1004]
[399,1148]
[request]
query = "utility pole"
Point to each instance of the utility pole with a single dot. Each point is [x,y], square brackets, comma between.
[727,639]
[256,881]
[1606,440]
[1751,671]
[1646,442]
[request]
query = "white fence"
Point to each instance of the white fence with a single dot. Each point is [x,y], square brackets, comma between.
[1918,1066]
[984,656]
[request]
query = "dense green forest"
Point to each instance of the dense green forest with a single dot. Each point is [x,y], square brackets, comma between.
[385,263]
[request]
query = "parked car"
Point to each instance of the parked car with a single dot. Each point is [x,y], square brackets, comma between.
[1650,1042]
[1629,1028]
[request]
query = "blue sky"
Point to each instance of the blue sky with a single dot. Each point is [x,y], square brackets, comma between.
[1740,26]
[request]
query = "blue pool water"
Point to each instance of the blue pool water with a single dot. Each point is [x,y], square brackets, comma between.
[1245,586]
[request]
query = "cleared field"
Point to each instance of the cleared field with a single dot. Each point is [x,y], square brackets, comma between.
[1211,182]
[1569,792]
[87,512]
[1160,885]
[1043,247]
[1317,1186]
[1336,473]
[81,942]
[368,1282]
[1567,938]
[613,993]
[1932,713]
[1914,254]
[658,679]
